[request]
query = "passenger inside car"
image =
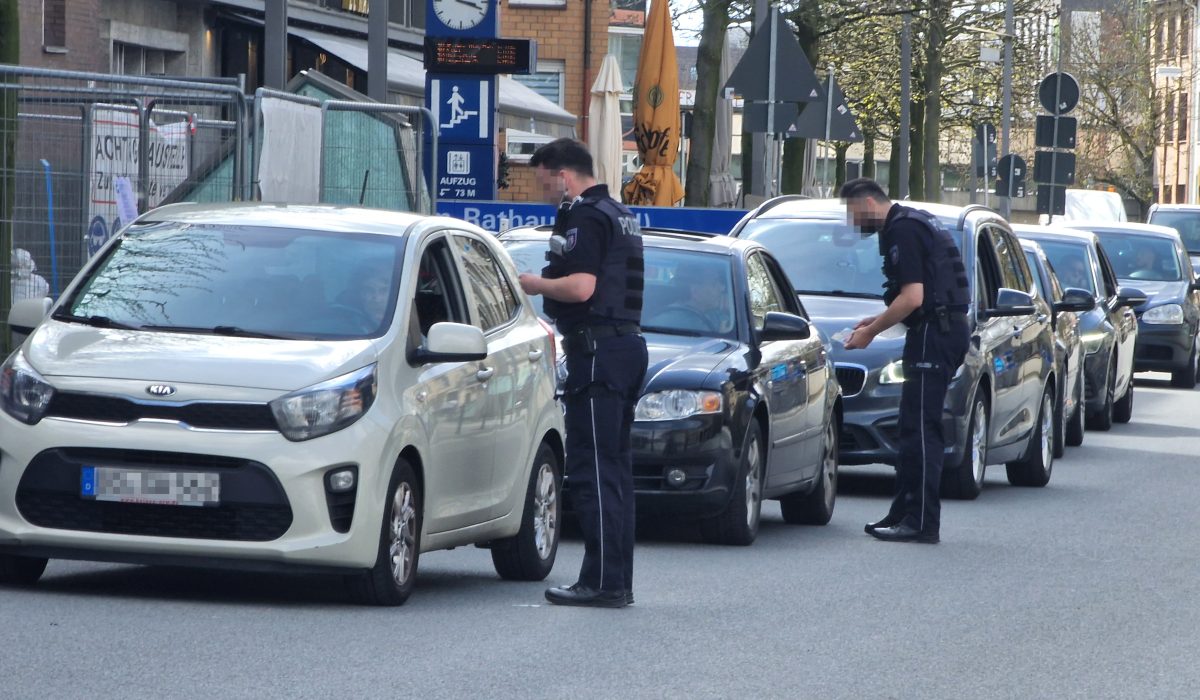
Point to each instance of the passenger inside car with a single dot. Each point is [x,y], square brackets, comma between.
[702,302]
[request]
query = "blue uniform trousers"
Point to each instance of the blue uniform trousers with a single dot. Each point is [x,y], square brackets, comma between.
[601,393]
[931,357]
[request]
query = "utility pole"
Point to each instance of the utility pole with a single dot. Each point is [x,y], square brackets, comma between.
[377,51]
[760,163]
[1006,101]
[905,100]
[275,44]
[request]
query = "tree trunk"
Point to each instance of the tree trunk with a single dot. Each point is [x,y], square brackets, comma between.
[935,37]
[793,166]
[839,168]
[916,144]
[708,76]
[894,170]
[10,53]
[868,166]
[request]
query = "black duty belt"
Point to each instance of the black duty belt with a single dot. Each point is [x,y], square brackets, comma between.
[583,338]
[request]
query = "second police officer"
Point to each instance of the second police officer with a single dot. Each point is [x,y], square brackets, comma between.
[593,291]
[927,290]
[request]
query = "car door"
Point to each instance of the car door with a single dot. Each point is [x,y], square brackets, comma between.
[783,375]
[506,419]
[449,397]
[1124,321]
[816,366]
[1002,337]
[1036,344]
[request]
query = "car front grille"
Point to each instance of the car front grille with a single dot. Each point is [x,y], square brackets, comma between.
[852,378]
[200,414]
[1152,352]
[253,507]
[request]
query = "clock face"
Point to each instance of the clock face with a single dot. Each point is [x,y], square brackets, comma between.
[460,14]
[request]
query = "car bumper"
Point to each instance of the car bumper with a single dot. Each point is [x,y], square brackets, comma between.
[871,429]
[1163,347]
[273,513]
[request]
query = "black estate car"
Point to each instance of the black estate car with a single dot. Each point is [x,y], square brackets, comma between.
[1109,330]
[997,403]
[1153,258]
[740,402]
[1184,218]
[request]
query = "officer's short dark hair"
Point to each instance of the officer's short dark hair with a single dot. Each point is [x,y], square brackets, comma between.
[563,154]
[862,187]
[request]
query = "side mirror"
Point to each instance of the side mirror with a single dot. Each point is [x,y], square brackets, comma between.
[1010,302]
[1128,296]
[1078,300]
[25,315]
[780,326]
[451,342]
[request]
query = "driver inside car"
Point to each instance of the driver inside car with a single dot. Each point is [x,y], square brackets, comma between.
[706,306]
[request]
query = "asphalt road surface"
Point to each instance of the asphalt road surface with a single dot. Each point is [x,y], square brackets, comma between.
[1088,588]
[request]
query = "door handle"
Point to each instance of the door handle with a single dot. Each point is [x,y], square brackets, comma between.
[535,355]
[1041,318]
[485,374]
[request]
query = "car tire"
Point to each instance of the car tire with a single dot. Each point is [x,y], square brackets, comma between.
[16,570]
[1123,409]
[1185,378]
[1059,440]
[738,523]
[1075,427]
[1102,419]
[816,506]
[1035,467]
[964,481]
[392,579]
[529,555]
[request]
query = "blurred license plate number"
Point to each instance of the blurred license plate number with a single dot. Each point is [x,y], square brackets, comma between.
[151,487]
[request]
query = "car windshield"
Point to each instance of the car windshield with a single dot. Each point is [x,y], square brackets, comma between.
[1138,257]
[1187,223]
[232,280]
[1070,263]
[826,257]
[687,292]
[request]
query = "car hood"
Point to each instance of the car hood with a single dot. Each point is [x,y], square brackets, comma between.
[835,316]
[1157,292]
[68,349]
[683,362]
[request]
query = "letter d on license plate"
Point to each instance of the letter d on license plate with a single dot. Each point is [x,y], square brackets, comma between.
[150,487]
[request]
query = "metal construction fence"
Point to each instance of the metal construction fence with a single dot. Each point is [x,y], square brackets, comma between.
[81,154]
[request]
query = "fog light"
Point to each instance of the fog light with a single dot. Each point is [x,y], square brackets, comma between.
[341,481]
[676,477]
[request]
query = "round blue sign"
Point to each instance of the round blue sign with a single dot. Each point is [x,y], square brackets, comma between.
[97,234]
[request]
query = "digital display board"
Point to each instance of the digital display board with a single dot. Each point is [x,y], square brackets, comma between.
[480,56]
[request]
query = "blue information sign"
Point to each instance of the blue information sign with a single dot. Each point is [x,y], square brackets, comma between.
[466,171]
[493,216]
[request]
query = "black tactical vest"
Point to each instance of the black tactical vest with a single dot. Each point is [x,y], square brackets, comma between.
[946,284]
[618,295]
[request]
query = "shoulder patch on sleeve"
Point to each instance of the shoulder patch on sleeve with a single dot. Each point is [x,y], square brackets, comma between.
[572,236]
[895,253]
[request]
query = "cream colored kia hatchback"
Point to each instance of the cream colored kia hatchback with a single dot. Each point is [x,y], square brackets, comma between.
[263,386]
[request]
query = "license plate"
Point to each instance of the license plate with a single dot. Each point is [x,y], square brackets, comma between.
[152,487]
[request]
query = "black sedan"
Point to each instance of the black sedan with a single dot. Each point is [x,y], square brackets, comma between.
[1154,259]
[740,401]
[1000,406]
[1184,218]
[1109,330]
[1068,356]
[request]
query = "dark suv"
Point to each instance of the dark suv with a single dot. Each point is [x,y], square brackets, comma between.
[1000,405]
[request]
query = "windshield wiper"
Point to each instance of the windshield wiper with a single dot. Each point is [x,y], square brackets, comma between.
[234,331]
[674,331]
[94,320]
[839,293]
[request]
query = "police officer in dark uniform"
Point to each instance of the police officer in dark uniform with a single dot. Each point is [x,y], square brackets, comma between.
[593,291]
[927,290]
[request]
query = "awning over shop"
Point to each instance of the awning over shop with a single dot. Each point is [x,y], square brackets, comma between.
[520,107]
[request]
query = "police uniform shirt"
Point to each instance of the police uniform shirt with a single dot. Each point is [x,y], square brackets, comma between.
[587,236]
[904,250]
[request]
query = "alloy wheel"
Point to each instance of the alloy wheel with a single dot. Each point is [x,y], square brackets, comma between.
[545,511]
[753,483]
[829,467]
[979,442]
[403,534]
[1047,431]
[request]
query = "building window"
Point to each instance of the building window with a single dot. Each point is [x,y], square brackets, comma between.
[408,13]
[520,145]
[130,59]
[1185,39]
[626,46]
[1170,36]
[1180,193]
[1183,117]
[1170,119]
[547,81]
[54,24]
[1159,20]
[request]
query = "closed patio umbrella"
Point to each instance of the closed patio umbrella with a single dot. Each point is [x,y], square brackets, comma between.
[656,114]
[604,124]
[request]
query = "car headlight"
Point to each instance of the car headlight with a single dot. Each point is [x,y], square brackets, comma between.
[24,394]
[326,407]
[676,403]
[893,373]
[1092,341]
[1167,313]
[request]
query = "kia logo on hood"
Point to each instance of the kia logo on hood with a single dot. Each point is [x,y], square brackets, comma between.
[160,390]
